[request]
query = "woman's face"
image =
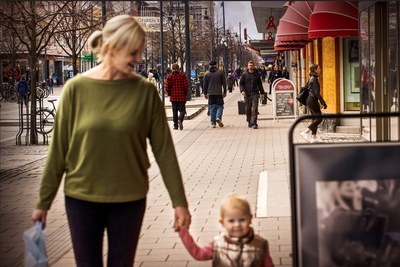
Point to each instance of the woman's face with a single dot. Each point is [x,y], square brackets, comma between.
[124,60]
[318,70]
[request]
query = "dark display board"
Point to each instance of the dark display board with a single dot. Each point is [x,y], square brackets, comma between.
[284,106]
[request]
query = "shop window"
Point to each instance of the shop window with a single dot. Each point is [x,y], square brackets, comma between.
[351,72]
[367,53]
[393,57]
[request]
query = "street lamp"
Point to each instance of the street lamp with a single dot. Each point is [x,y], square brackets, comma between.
[225,51]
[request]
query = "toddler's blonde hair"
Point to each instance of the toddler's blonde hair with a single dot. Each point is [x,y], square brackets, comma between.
[120,32]
[235,201]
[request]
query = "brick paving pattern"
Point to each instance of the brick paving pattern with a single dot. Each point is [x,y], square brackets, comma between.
[214,162]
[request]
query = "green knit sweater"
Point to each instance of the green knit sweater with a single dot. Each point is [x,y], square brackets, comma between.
[100,143]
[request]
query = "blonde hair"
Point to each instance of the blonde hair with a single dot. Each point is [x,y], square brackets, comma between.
[120,32]
[234,201]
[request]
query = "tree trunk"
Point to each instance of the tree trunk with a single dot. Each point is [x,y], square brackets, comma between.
[33,135]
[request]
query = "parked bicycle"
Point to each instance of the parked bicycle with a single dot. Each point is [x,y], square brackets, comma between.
[9,92]
[45,118]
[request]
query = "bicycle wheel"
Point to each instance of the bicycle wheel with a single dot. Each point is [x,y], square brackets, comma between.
[13,96]
[39,92]
[44,121]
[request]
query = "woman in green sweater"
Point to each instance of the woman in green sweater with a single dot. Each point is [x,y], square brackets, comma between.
[104,118]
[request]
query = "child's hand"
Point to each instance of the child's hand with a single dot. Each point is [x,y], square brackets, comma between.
[182,218]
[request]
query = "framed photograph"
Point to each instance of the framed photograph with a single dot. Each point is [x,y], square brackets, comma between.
[347,204]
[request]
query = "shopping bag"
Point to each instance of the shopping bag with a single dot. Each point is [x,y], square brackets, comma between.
[35,247]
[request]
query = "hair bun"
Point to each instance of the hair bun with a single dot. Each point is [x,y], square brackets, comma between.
[95,41]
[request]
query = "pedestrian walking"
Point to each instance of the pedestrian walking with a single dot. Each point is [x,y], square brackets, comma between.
[177,87]
[50,84]
[313,103]
[215,91]
[276,73]
[238,245]
[285,73]
[104,119]
[235,76]
[23,89]
[252,89]
[229,82]
[150,78]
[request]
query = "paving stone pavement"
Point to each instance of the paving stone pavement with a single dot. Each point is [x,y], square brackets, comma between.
[214,162]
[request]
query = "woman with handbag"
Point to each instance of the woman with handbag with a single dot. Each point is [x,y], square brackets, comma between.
[313,103]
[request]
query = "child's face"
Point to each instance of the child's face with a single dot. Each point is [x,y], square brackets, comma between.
[236,222]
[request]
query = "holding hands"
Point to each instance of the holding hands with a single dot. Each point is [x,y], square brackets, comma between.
[182,218]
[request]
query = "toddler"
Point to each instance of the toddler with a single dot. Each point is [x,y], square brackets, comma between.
[239,246]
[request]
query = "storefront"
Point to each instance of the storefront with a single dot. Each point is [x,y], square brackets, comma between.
[379,58]
[357,46]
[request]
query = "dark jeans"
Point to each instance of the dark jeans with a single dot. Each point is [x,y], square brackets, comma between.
[252,108]
[181,107]
[313,105]
[87,222]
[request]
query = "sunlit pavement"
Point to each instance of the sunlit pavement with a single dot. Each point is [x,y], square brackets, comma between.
[213,161]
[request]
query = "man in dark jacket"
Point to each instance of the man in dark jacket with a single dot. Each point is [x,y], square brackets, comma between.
[215,91]
[252,89]
[23,89]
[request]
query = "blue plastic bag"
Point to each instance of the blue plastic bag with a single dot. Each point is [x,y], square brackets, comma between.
[35,247]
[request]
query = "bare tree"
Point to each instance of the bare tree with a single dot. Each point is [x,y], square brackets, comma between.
[80,18]
[33,23]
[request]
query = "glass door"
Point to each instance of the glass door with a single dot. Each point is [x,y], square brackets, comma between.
[393,77]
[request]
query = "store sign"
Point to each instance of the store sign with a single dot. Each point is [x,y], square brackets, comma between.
[68,67]
[150,24]
[271,27]
[283,85]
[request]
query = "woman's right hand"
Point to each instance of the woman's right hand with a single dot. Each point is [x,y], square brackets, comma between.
[39,215]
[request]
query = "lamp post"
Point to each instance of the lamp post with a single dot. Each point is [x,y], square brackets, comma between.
[240,43]
[162,51]
[187,50]
[225,51]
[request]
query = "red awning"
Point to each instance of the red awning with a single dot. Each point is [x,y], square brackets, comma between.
[292,31]
[252,49]
[334,19]
[285,46]
[293,26]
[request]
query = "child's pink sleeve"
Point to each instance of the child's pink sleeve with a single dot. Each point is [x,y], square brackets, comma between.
[201,254]
[267,262]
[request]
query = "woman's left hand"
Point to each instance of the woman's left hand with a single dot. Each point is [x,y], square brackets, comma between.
[182,218]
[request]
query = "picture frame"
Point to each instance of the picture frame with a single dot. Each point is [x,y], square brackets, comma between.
[327,234]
